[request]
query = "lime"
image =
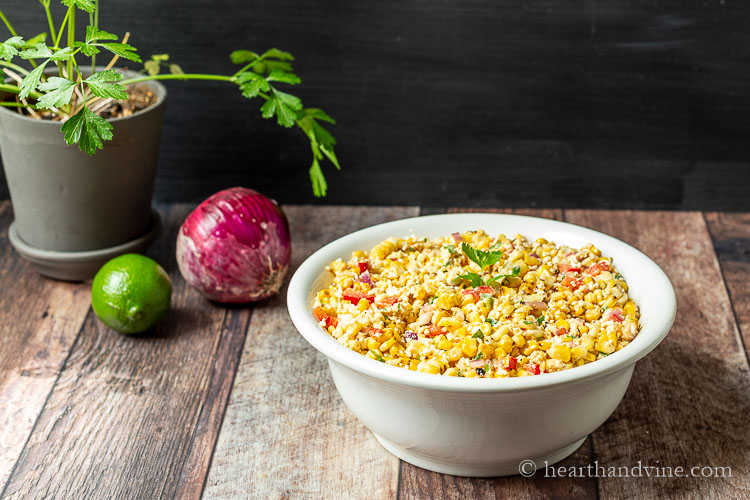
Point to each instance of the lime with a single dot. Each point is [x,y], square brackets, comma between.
[131,293]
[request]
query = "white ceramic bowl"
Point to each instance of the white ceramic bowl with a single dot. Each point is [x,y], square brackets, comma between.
[483,427]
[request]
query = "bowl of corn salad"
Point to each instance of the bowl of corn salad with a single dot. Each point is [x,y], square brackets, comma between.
[468,343]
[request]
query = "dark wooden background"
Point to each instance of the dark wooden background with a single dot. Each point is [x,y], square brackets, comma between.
[582,103]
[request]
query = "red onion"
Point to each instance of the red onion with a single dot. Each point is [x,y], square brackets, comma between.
[235,247]
[457,237]
[365,278]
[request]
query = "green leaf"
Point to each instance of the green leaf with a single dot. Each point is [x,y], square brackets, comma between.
[540,320]
[175,69]
[86,49]
[318,180]
[152,67]
[243,56]
[478,334]
[160,57]
[474,279]
[39,51]
[124,50]
[331,157]
[251,84]
[34,41]
[283,105]
[277,75]
[318,114]
[9,48]
[101,84]
[480,258]
[94,34]
[85,5]
[266,66]
[30,81]
[58,92]
[62,54]
[277,54]
[87,129]
[491,321]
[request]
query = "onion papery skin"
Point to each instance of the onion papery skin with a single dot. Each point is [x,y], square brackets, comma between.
[235,247]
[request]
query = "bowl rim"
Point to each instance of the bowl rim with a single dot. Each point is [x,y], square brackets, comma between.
[313,266]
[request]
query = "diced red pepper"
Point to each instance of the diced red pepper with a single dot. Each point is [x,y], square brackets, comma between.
[373,332]
[535,369]
[512,363]
[321,315]
[354,296]
[561,331]
[567,268]
[433,331]
[363,266]
[571,283]
[472,292]
[485,289]
[387,301]
[597,268]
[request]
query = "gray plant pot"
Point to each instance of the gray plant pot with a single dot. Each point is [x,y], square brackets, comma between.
[74,211]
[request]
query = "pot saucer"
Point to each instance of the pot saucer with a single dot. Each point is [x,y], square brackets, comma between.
[79,266]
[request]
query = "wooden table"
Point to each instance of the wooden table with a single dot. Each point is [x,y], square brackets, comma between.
[233,403]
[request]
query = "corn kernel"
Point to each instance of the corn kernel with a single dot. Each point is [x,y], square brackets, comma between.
[519,340]
[593,314]
[530,260]
[559,351]
[445,344]
[486,350]
[387,344]
[428,367]
[499,353]
[452,371]
[455,353]
[629,308]
[373,344]
[506,342]
[469,347]
[563,323]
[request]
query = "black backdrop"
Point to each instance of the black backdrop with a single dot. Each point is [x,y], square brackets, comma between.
[581,103]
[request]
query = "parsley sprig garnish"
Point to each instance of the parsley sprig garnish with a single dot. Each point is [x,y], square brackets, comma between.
[484,260]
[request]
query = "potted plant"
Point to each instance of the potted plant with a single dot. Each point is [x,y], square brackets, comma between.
[75,208]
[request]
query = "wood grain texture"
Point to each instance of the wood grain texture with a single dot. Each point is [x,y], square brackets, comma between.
[479,103]
[731,238]
[136,416]
[688,401]
[419,483]
[39,322]
[286,432]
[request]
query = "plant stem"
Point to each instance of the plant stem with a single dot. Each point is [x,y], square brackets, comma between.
[187,76]
[52,32]
[94,20]
[71,36]
[14,67]
[7,24]
[12,89]
[17,105]
[62,28]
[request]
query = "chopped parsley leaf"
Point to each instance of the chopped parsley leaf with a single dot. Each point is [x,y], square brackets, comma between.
[491,321]
[478,356]
[540,320]
[478,334]
[377,356]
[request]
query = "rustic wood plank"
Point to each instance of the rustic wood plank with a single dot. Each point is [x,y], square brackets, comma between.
[420,483]
[286,432]
[731,239]
[687,404]
[133,416]
[39,322]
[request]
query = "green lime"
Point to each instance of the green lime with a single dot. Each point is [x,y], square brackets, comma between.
[131,293]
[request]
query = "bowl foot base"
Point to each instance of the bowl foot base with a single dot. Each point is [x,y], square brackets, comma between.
[461,468]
